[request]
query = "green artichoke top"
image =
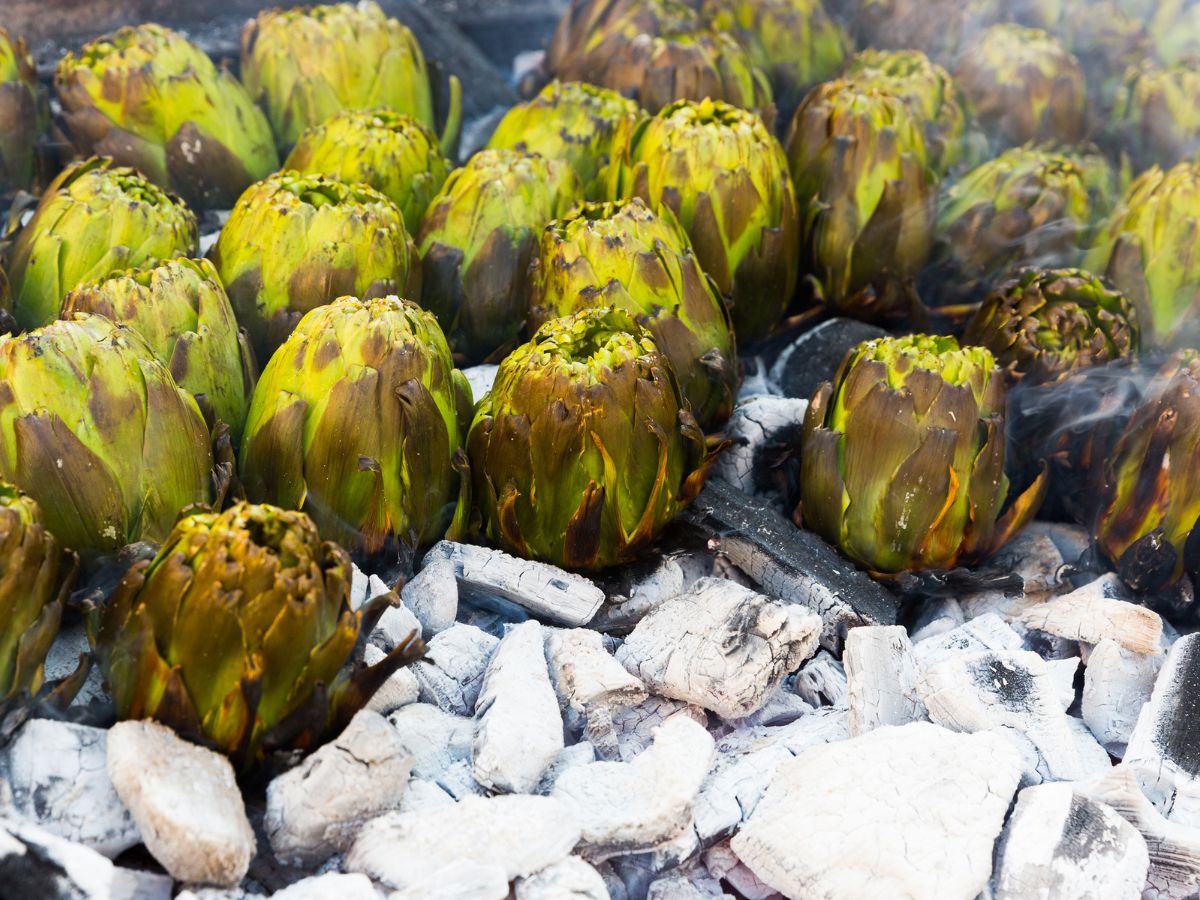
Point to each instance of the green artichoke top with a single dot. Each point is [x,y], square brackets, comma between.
[584,125]
[1042,324]
[590,30]
[1156,114]
[24,113]
[16,65]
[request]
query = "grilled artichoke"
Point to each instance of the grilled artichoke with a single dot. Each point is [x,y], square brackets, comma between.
[581,124]
[1174,27]
[94,428]
[724,176]
[624,255]
[1106,40]
[36,576]
[180,309]
[1042,324]
[21,113]
[903,457]
[1156,116]
[935,27]
[584,449]
[1151,500]
[865,192]
[393,153]
[93,220]
[478,238]
[237,634]
[359,420]
[590,31]
[303,65]
[932,97]
[1023,86]
[1148,250]
[295,242]
[151,100]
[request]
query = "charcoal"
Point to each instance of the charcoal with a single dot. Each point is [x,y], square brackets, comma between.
[452,671]
[432,596]
[763,457]
[1093,613]
[635,590]
[1116,685]
[634,726]
[571,879]
[822,681]
[722,863]
[400,689]
[436,740]
[590,683]
[814,356]
[331,884]
[881,678]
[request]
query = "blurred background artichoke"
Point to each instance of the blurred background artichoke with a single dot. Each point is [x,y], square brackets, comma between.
[22,113]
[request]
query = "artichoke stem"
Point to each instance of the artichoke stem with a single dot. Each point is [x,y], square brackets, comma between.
[453,119]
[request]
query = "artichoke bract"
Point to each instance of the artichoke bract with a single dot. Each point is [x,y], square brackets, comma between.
[591,30]
[477,241]
[1150,503]
[1023,86]
[725,177]
[903,457]
[151,100]
[94,428]
[21,113]
[795,42]
[581,124]
[584,450]
[393,153]
[303,65]
[182,312]
[93,220]
[237,634]
[1148,250]
[865,194]
[931,94]
[295,242]
[359,420]
[624,255]
[36,575]
[1156,115]
[1042,324]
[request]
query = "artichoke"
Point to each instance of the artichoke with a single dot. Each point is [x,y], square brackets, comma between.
[865,191]
[1156,115]
[303,65]
[932,96]
[624,255]
[903,457]
[478,239]
[586,126]
[590,31]
[360,421]
[1151,498]
[935,27]
[21,113]
[295,242]
[1042,324]
[584,450]
[1025,207]
[93,220]
[238,632]
[151,100]
[724,176]
[795,42]
[94,428]
[1148,249]
[1023,86]
[393,153]
[1107,41]
[1174,27]
[180,309]
[36,576]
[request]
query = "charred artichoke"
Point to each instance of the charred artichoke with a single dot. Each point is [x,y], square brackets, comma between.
[581,124]
[1156,116]
[295,242]
[95,429]
[237,634]
[151,100]
[93,220]
[359,420]
[478,238]
[21,113]
[725,177]
[584,449]
[590,31]
[624,255]
[1044,323]
[903,457]
[180,309]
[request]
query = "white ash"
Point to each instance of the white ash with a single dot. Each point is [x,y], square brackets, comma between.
[881,677]
[721,646]
[1008,605]
[395,626]
[986,632]
[58,777]
[638,590]
[460,880]
[359,581]
[422,794]
[520,729]
[723,864]
[1094,613]
[63,659]
[331,884]
[432,595]
[518,834]
[1033,556]
[185,801]
[782,707]
[1072,541]
[434,739]
[634,726]
[400,689]
[571,879]
[481,379]
[936,616]
[1117,683]
[692,883]
[569,757]
[927,806]
[314,810]
[492,576]
[758,426]
[458,780]
[451,674]
[822,681]
[589,682]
